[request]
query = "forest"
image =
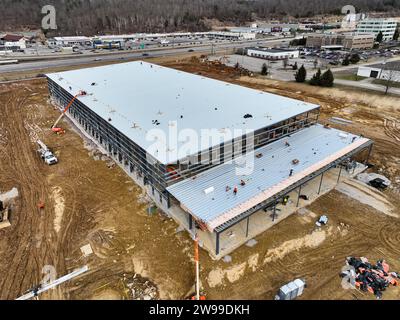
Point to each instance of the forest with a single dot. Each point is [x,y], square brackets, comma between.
[75,17]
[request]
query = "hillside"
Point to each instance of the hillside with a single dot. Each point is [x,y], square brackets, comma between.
[119,16]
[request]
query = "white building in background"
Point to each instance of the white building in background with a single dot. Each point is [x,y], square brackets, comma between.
[351,20]
[13,42]
[71,41]
[272,53]
[231,35]
[389,71]
[386,26]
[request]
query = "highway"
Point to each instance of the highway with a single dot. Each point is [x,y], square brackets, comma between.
[85,59]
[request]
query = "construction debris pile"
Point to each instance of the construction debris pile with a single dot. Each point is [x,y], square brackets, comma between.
[142,289]
[368,277]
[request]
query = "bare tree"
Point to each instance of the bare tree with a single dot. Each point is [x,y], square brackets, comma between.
[390,78]
[285,62]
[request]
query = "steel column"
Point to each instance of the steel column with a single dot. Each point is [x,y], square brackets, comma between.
[298,198]
[369,154]
[320,184]
[247,227]
[217,244]
[340,173]
[190,221]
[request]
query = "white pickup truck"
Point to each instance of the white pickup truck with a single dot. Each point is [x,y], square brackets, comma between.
[47,156]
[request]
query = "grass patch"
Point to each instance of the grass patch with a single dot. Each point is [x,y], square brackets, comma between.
[351,77]
[393,84]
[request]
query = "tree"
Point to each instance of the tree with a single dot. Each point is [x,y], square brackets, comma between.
[379,37]
[346,61]
[315,63]
[301,75]
[396,35]
[285,62]
[355,58]
[264,69]
[327,79]
[388,78]
[295,66]
[316,79]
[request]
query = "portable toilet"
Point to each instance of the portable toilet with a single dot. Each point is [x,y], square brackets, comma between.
[284,293]
[300,285]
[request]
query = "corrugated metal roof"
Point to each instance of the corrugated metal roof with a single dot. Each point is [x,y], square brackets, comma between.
[310,146]
[135,94]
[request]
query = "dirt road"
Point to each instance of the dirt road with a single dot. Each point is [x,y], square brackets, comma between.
[137,255]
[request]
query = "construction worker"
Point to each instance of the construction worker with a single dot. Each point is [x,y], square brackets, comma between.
[242,183]
[291,173]
[235,191]
[285,200]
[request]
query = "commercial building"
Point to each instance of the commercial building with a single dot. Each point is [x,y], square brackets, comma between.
[347,41]
[389,71]
[216,157]
[13,42]
[231,35]
[354,41]
[386,26]
[71,41]
[273,53]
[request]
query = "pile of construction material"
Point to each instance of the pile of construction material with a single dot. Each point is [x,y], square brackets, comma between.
[375,180]
[369,277]
[291,290]
[6,201]
[142,289]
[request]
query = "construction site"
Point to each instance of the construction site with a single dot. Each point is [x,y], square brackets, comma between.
[98,194]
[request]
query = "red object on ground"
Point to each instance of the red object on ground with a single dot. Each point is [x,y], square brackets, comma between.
[41,205]
[385,266]
[57,130]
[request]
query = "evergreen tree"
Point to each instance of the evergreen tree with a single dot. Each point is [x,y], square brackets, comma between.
[264,69]
[379,37]
[396,35]
[327,79]
[355,58]
[301,74]
[346,61]
[316,79]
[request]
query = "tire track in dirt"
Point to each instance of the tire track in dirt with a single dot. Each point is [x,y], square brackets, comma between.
[389,235]
[392,128]
[31,243]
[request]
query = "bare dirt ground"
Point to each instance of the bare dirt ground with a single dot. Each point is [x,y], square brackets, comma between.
[136,254]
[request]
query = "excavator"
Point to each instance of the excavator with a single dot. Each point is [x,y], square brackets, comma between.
[54,128]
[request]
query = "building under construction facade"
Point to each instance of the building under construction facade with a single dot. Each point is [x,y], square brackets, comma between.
[209,153]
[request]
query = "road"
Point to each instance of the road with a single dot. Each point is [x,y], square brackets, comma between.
[367,85]
[118,56]
[369,63]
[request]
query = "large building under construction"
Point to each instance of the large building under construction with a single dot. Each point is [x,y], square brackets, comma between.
[217,157]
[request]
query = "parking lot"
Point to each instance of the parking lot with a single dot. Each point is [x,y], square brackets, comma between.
[310,58]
